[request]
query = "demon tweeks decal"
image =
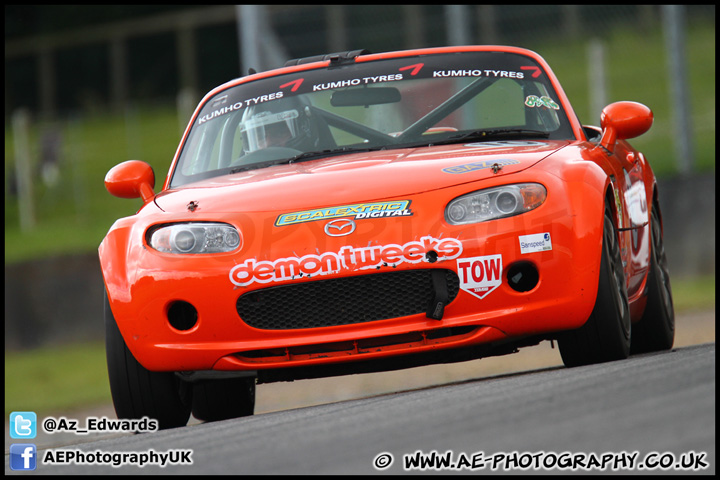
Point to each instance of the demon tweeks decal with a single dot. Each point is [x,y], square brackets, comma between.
[348,259]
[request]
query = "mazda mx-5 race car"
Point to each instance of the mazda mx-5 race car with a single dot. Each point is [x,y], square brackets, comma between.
[359,212]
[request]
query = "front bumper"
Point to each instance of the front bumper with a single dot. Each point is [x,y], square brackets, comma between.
[145,288]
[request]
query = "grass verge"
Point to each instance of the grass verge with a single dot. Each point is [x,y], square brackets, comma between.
[57,378]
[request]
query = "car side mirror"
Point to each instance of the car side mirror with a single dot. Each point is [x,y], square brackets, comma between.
[131,179]
[622,120]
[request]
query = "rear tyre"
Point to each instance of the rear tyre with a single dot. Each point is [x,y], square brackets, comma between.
[606,334]
[138,392]
[656,329]
[215,400]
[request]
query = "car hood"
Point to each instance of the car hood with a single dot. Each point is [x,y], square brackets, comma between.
[358,177]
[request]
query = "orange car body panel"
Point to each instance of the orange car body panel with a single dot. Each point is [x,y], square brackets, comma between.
[142,283]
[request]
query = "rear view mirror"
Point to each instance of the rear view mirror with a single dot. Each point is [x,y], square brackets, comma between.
[364,97]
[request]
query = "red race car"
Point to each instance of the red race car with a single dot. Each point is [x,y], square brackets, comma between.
[359,212]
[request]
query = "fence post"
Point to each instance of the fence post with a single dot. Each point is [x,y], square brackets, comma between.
[336,28]
[456,21]
[260,48]
[674,26]
[248,19]
[597,79]
[23,168]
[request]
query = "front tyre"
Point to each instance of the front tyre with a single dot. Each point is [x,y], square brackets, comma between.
[606,334]
[656,329]
[138,392]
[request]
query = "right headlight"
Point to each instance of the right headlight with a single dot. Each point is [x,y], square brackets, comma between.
[494,203]
[195,238]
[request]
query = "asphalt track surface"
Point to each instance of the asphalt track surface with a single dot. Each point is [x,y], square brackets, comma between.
[650,410]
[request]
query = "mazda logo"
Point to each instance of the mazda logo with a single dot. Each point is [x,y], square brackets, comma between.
[340,227]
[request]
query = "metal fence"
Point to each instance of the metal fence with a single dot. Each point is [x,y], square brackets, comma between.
[174,57]
[201,47]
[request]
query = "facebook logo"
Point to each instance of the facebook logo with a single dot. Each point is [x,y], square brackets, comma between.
[23,425]
[23,456]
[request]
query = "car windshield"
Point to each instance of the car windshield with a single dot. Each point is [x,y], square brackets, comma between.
[406,102]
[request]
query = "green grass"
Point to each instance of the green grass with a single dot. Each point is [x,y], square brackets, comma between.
[56,379]
[693,293]
[637,69]
[74,215]
[51,380]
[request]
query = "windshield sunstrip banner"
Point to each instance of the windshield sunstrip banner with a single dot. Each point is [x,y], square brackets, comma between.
[475,65]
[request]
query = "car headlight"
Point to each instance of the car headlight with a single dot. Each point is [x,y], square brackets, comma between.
[493,203]
[195,238]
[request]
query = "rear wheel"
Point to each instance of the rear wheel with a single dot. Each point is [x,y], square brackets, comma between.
[138,392]
[656,329]
[222,399]
[606,334]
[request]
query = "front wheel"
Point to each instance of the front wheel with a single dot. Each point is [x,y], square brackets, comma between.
[656,329]
[606,334]
[138,392]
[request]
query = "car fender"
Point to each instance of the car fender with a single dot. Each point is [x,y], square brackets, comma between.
[601,178]
[118,255]
[587,185]
[113,260]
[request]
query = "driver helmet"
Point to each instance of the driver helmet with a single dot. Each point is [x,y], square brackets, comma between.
[276,124]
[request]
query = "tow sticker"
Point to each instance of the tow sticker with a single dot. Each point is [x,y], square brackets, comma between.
[480,275]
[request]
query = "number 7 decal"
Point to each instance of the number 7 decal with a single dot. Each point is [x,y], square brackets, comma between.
[415,68]
[536,70]
[295,83]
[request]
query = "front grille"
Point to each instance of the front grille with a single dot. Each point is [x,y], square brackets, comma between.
[343,301]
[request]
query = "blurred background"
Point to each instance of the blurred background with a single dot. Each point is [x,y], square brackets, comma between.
[88,87]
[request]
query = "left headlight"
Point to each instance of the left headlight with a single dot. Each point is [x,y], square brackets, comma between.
[493,203]
[194,238]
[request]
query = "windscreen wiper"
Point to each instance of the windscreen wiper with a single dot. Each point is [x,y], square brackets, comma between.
[492,134]
[328,153]
[305,156]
